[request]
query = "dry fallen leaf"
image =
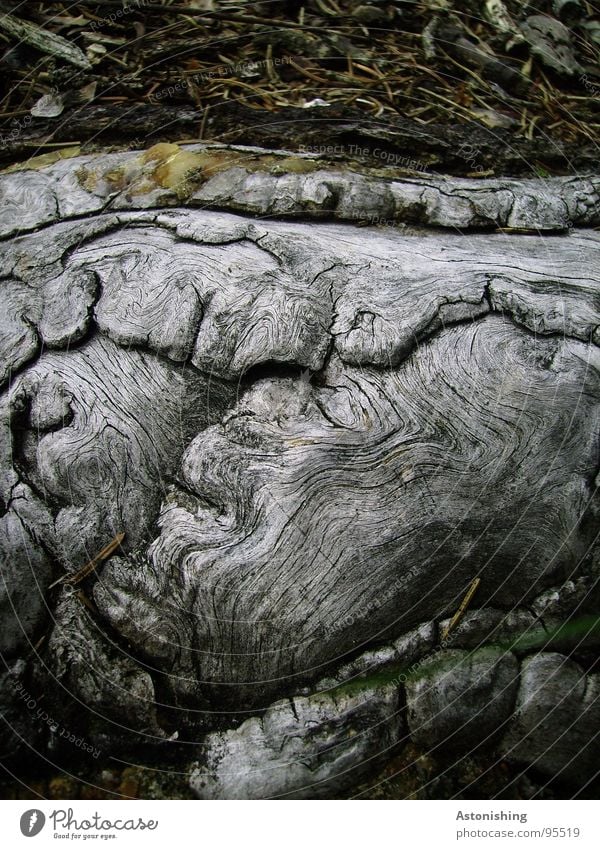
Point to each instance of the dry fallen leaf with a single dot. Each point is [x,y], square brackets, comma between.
[48,106]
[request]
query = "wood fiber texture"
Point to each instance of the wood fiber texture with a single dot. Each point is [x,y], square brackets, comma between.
[314,435]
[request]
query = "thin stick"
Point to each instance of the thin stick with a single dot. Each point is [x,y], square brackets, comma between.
[106,552]
[463,606]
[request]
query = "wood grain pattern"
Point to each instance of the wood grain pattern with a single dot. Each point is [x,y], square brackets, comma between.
[314,436]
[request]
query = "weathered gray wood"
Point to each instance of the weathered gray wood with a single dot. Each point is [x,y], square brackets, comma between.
[301,748]
[314,435]
[557,718]
[276,183]
[538,710]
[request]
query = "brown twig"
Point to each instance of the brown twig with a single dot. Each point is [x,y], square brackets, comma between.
[463,606]
[104,554]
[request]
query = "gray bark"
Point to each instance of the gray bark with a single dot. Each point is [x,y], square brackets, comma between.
[313,435]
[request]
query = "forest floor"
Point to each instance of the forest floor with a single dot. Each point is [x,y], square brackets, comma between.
[412,773]
[475,87]
[472,88]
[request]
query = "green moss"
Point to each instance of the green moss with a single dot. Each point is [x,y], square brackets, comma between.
[380,678]
[574,631]
[440,660]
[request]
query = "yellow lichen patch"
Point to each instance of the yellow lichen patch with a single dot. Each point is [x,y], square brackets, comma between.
[87,179]
[181,170]
[114,180]
[176,168]
[117,178]
[177,171]
[159,152]
[212,161]
[45,159]
[168,166]
[294,165]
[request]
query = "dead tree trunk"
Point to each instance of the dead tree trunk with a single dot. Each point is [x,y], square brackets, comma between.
[314,435]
